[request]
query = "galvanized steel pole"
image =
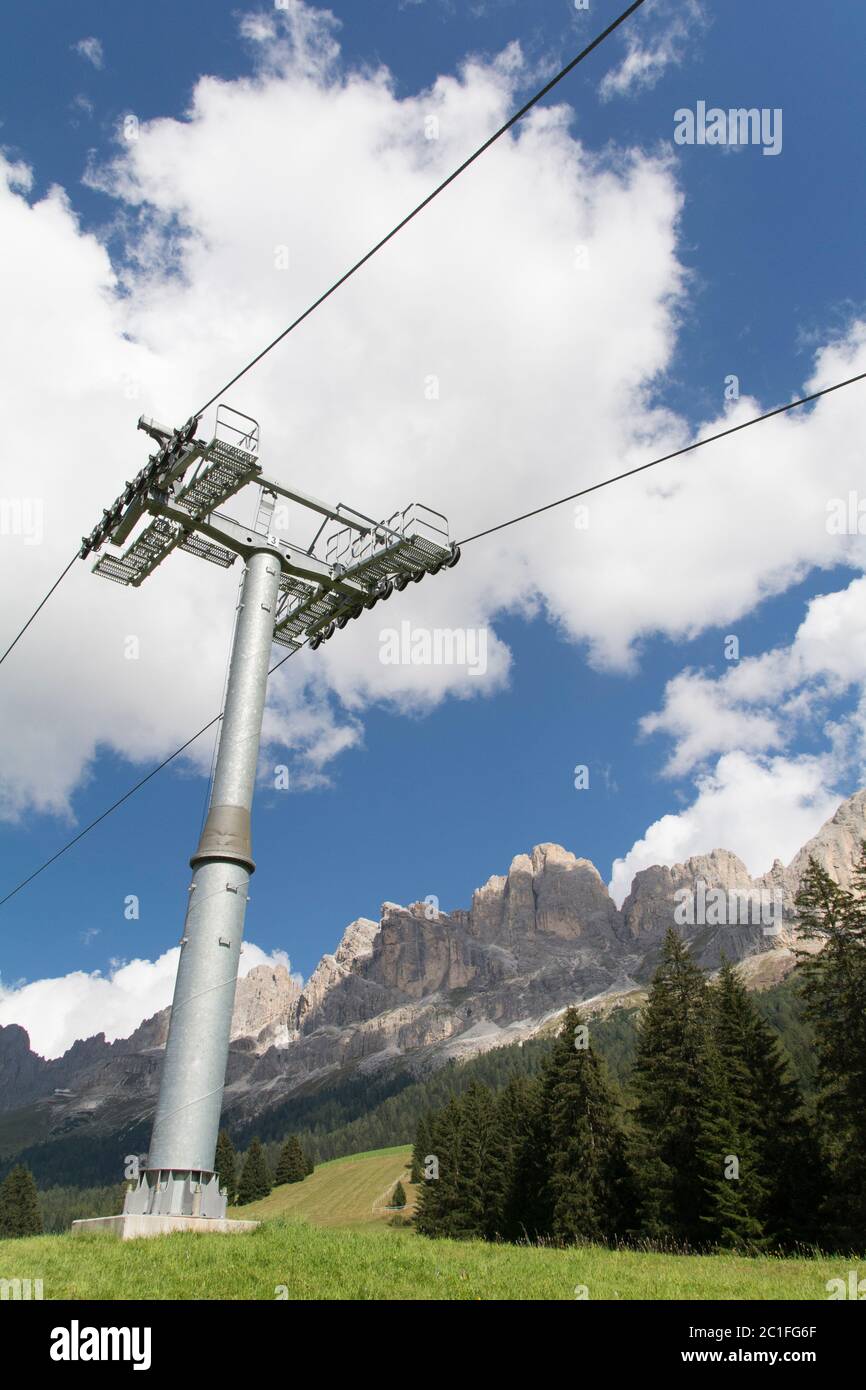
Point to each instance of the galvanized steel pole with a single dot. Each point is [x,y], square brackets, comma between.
[181,1158]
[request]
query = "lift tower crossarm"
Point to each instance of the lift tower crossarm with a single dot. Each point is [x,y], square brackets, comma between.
[304,499]
[225,531]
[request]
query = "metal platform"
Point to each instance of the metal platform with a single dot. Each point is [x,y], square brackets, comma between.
[412,543]
[142,557]
[223,470]
[427,527]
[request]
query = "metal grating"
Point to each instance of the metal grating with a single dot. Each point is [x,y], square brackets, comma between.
[228,469]
[112,567]
[410,555]
[291,584]
[310,609]
[348,547]
[208,550]
[141,558]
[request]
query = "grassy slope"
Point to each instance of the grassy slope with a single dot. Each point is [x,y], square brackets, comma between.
[345,1192]
[322,1239]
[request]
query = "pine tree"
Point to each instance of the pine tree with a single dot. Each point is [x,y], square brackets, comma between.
[19,1205]
[727,1161]
[438,1198]
[588,1178]
[309,1164]
[292,1165]
[284,1166]
[781,1179]
[483,1165]
[519,1106]
[256,1181]
[421,1148]
[226,1166]
[398,1196]
[680,1146]
[470,1152]
[833,986]
[528,1214]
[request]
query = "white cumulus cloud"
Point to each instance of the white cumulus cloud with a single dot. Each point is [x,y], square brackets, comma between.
[759,808]
[737,734]
[55,1012]
[761,702]
[500,352]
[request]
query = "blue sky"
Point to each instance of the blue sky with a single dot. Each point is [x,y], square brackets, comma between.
[776,245]
[432,801]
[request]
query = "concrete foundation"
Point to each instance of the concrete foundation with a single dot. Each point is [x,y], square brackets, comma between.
[129,1227]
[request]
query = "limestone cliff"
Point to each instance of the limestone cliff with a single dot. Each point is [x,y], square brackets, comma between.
[418,985]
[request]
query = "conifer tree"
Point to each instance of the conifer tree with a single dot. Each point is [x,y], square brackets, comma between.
[727,1160]
[421,1148]
[588,1178]
[518,1104]
[467,1142]
[833,986]
[782,1179]
[439,1195]
[526,1122]
[19,1204]
[256,1181]
[398,1196]
[292,1165]
[680,1144]
[483,1165]
[226,1166]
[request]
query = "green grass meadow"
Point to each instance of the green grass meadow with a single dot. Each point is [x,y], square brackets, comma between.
[329,1238]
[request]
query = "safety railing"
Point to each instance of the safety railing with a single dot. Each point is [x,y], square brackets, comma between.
[346,547]
[233,427]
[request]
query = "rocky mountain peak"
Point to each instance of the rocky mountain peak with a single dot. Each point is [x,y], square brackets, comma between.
[356,946]
[420,986]
[357,941]
[549,857]
[836,846]
[649,909]
[14,1039]
[265,1001]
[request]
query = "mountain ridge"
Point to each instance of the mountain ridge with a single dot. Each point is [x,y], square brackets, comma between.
[421,986]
